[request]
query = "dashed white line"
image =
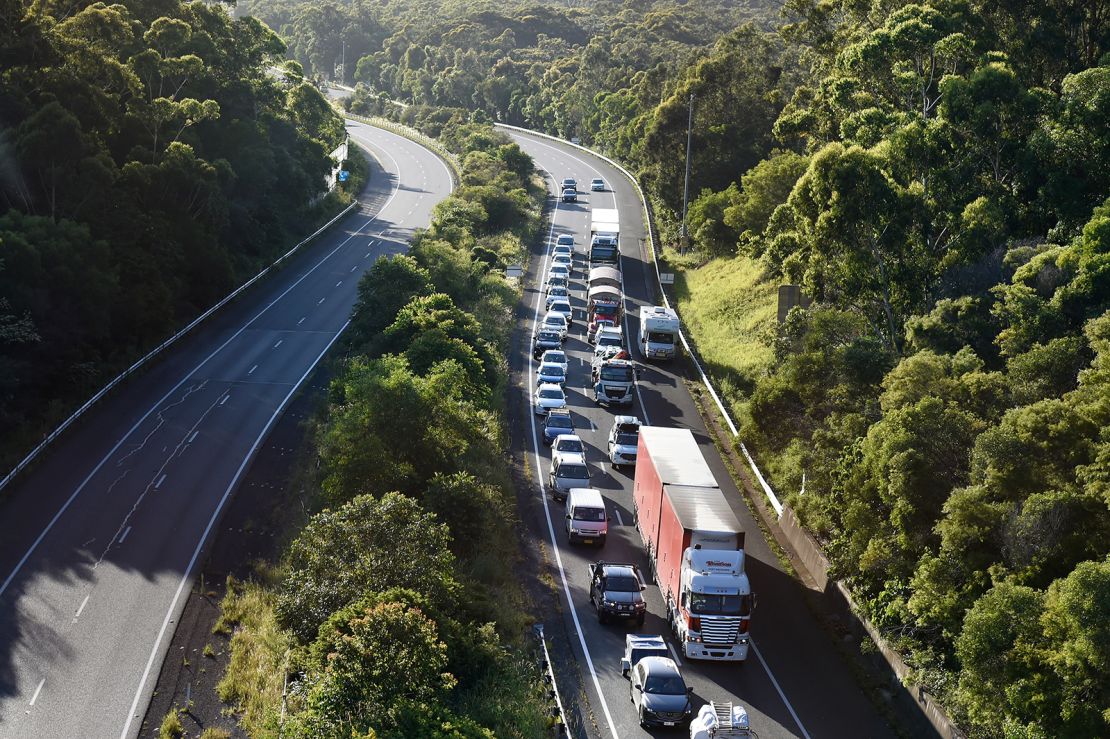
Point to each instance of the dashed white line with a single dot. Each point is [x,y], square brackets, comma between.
[339,283]
[225,398]
[321,300]
[278,343]
[620,521]
[38,690]
[124,534]
[252,369]
[354,268]
[162,479]
[81,607]
[191,437]
[301,321]
[674,654]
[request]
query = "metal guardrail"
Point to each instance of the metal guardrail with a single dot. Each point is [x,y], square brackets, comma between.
[656,253]
[558,713]
[61,428]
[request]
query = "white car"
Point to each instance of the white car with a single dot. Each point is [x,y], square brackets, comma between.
[597,184]
[553,373]
[555,356]
[548,396]
[558,270]
[609,336]
[565,240]
[562,307]
[564,259]
[553,321]
[562,249]
[554,282]
[569,183]
[569,443]
[623,440]
[558,292]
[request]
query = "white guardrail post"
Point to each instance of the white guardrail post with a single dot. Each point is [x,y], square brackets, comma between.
[656,253]
[34,453]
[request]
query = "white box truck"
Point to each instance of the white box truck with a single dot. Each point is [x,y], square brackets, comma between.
[605,237]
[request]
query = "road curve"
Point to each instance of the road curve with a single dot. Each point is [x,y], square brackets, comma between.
[795,683]
[99,541]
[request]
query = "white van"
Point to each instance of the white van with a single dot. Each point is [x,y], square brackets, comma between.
[587,519]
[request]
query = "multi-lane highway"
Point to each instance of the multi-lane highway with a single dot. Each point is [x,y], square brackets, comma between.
[795,683]
[99,542]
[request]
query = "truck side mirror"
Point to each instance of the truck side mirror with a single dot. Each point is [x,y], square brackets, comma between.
[568,516]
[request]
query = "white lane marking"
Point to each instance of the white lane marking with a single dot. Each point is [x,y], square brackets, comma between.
[103,461]
[354,268]
[124,535]
[131,715]
[302,320]
[340,282]
[367,255]
[778,688]
[38,690]
[647,420]
[674,653]
[252,369]
[321,300]
[191,437]
[620,521]
[162,479]
[278,343]
[81,607]
[547,514]
[224,400]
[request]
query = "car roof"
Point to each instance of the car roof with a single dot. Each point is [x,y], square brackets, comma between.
[567,436]
[573,457]
[620,420]
[610,330]
[642,641]
[551,385]
[598,179]
[554,351]
[659,666]
[585,497]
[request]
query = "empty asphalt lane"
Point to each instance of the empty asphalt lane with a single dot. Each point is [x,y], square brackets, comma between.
[801,687]
[98,542]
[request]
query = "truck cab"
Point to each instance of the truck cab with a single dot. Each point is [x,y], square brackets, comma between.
[613,380]
[715,605]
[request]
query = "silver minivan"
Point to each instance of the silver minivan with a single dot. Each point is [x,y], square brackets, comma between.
[587,519]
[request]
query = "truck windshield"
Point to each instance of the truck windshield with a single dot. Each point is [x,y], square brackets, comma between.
[617,374]
[589,514]
[603,253]
[602,310]
[720,605]
[659,337]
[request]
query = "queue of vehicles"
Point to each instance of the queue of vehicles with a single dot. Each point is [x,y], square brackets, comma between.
[694,542]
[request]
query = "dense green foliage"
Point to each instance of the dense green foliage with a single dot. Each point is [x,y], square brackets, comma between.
[935,176]
[400,597]
[149,165]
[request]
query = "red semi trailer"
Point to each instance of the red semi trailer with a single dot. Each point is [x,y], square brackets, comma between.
[695,544]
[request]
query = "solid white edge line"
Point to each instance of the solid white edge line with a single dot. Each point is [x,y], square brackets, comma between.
[778,688]
[124,535]
[674,654]
[65,506]
[547,508]
[212,522]
[647,420]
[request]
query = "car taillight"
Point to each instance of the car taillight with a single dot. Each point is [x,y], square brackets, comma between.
[693,623]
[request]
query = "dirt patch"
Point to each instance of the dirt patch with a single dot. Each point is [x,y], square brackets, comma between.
[251,530]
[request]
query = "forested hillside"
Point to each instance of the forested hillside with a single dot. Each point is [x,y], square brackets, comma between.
[148,163]
[936,177]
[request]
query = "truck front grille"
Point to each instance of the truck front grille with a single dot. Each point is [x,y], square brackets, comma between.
[721,631]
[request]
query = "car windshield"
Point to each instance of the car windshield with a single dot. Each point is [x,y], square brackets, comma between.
[622,584]
[549,336]
[617,374]
[627,439]
[566,240]
[551,393]
[609,341]
[589,514]
[599,182]
[555,320]
[559,422]
[573,472]
[555,357]
[559,291]
[552,370]
[658,337]
[720,605]
[571,445]
[664,685]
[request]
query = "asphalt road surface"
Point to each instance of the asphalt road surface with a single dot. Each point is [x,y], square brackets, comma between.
[99,542]
[794,682]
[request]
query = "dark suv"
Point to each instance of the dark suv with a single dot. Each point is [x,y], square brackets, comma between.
[616,592]
[558,422]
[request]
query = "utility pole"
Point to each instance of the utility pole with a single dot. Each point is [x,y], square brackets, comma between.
[684,236]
